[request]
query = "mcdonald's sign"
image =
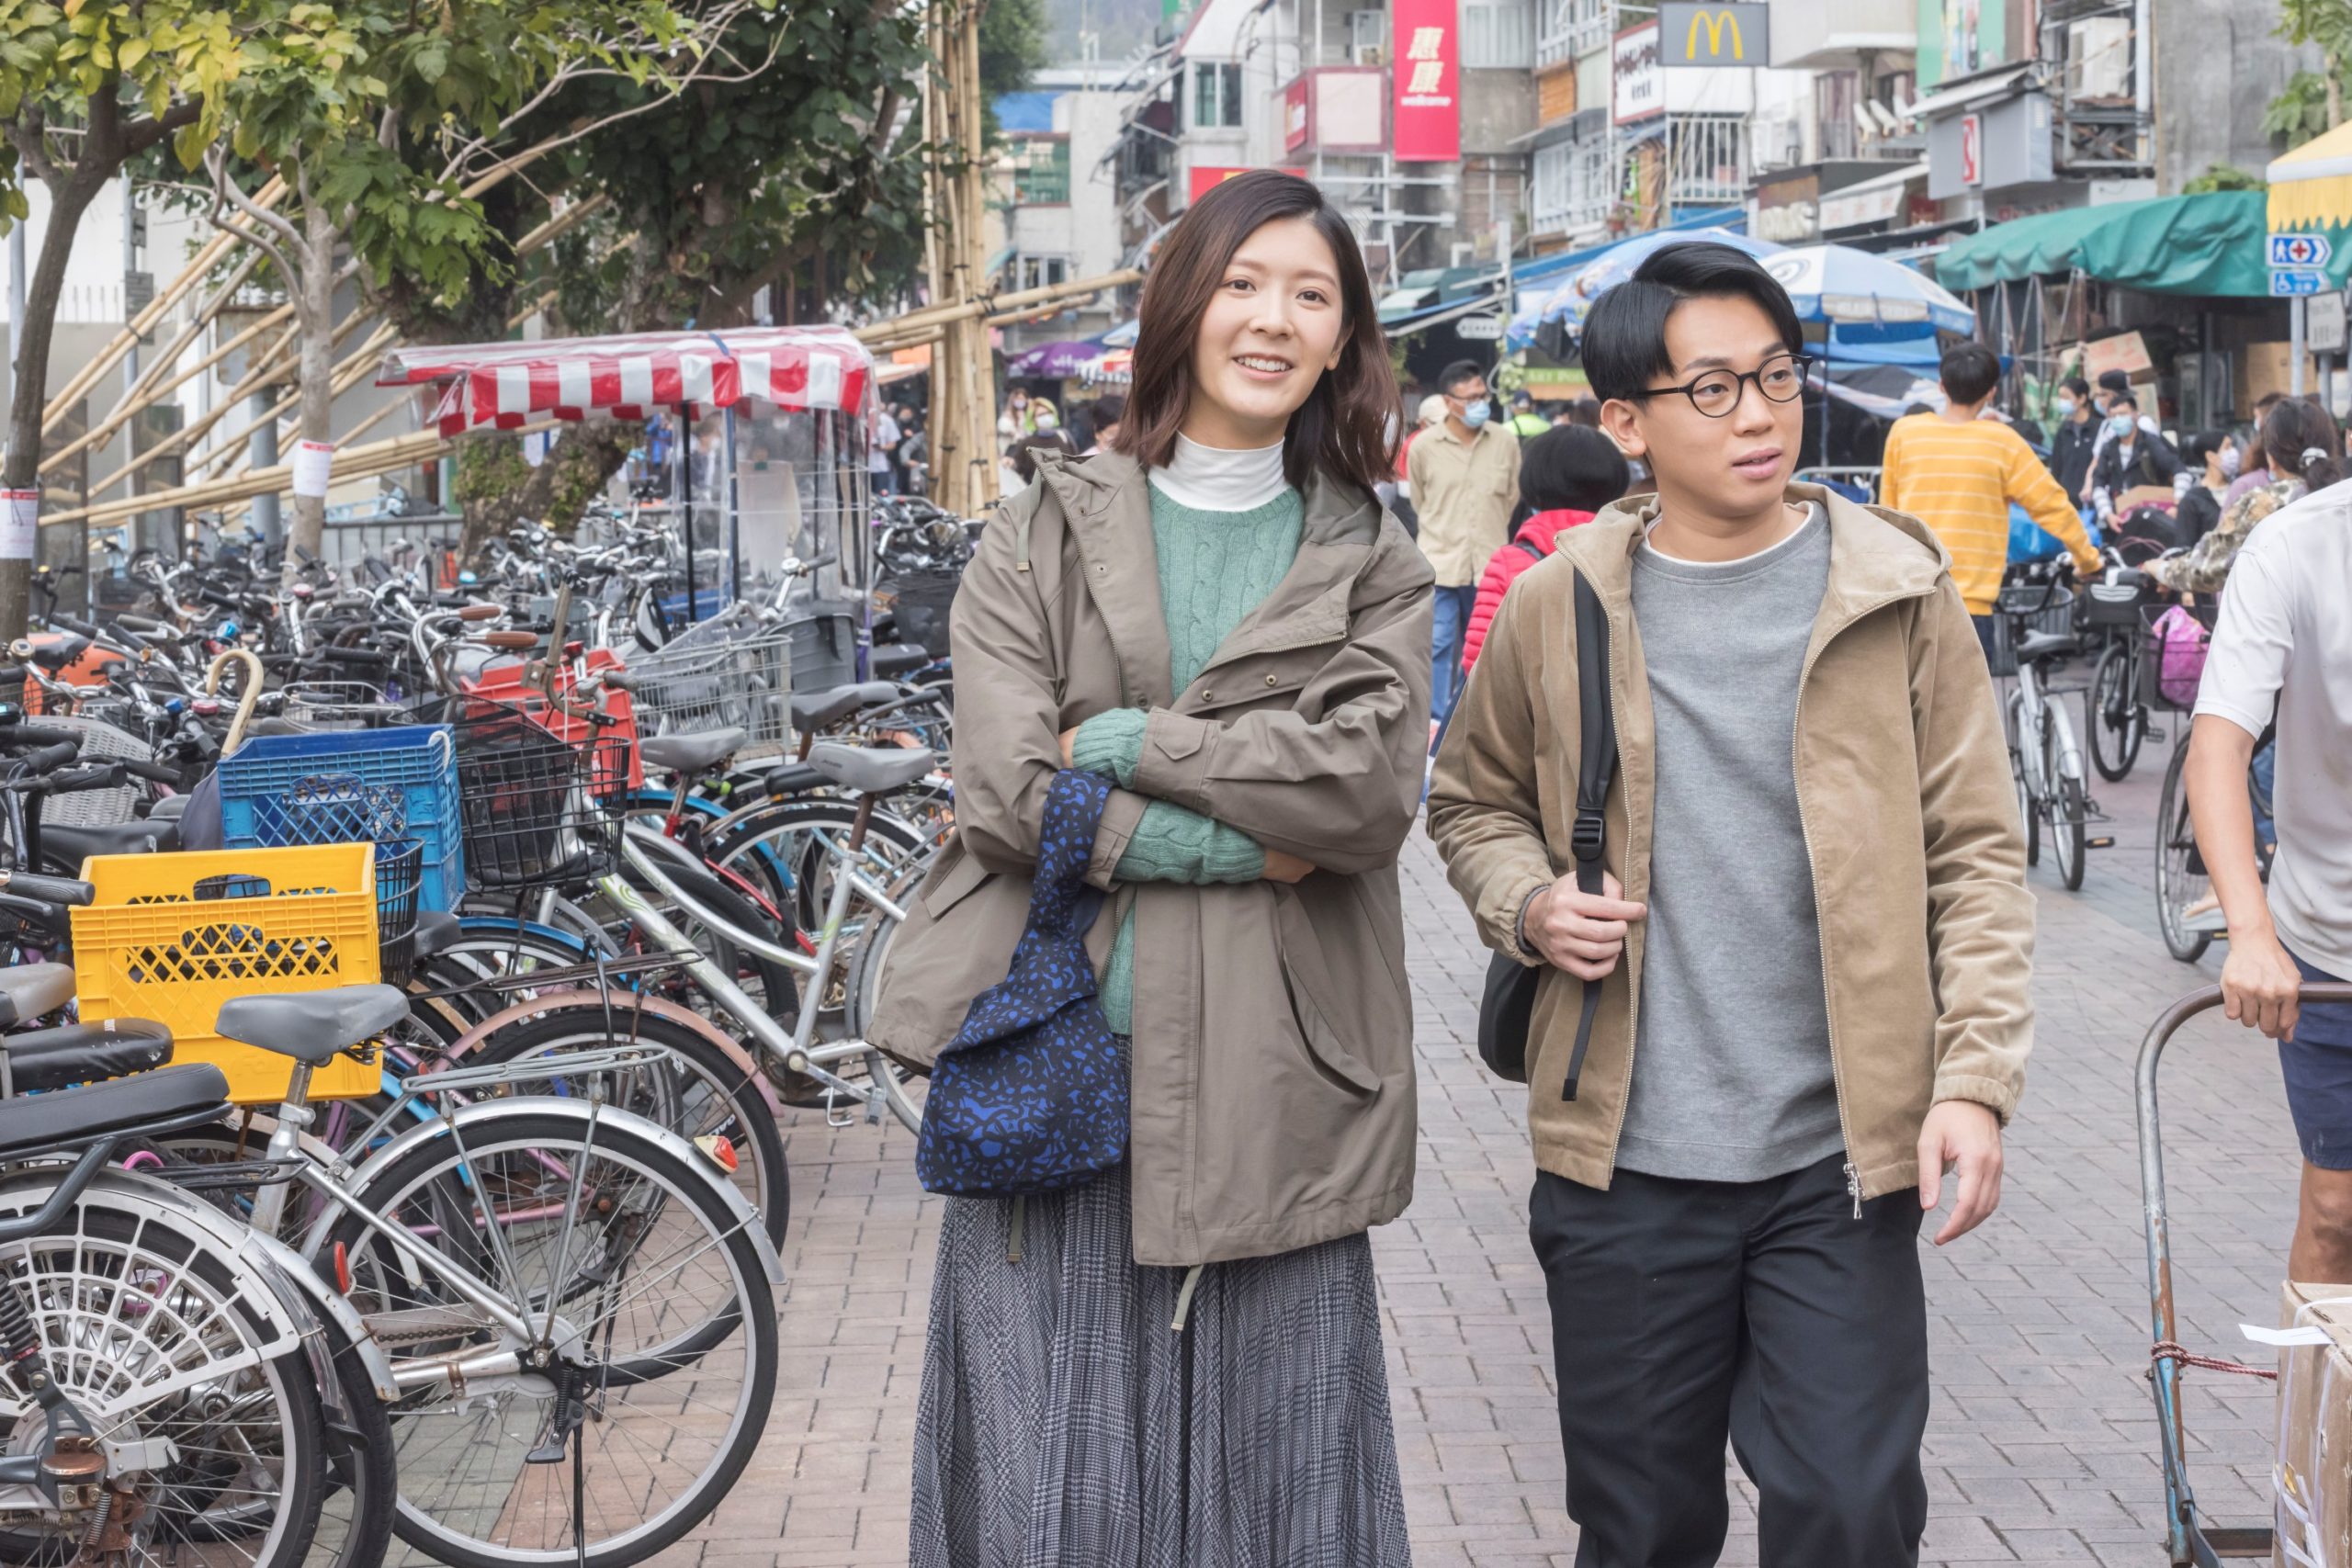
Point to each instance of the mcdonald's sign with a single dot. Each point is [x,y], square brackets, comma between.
[1714,35]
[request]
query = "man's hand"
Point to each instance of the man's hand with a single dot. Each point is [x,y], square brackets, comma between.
[2260,984]
[1961,1135]
[1580,932]
[1283,866]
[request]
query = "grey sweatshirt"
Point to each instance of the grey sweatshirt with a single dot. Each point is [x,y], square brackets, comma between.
[1732,1079]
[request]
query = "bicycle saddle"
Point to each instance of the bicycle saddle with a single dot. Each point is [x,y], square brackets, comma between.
[160,1102]
[814,710]
[2039,646]
[84,1053]
[691,753]
[74,845]
[31,990]
[897,658]
[436,930]
[170,808]
[312,1026]
[871,769]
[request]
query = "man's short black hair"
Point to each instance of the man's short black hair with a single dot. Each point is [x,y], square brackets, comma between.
[1625,332]
[2076,385]
[1970,371]
[1109,409]
[1458,372]
[2123,401]
[2115,381]
[1569,467]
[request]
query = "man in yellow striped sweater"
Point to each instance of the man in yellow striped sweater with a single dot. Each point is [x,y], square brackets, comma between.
[1958,472]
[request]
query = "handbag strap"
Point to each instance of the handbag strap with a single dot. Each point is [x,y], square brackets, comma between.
[1062,904]
[1597,725]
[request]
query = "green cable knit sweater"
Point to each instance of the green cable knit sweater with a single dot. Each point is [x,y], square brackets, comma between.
[1215,568]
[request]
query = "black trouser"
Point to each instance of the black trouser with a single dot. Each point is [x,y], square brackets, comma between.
[1684,1312]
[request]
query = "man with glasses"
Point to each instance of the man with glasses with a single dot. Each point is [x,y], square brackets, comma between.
[1812,942]
[1465,473]
[1959,472]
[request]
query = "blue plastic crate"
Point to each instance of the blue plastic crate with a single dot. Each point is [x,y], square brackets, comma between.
[340,787]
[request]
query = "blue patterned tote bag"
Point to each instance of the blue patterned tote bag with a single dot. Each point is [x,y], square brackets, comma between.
[1031,1096]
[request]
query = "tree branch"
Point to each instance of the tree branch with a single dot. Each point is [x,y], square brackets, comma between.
[224,189]
[142,134]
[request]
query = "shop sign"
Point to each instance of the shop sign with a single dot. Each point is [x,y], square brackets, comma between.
[1787,210]
[2323,323]
[1638,87]
[1714,35]
[1478,329]
[1839,210]
[1972,150]
[1295,114]
[1425,46]
[1202,179]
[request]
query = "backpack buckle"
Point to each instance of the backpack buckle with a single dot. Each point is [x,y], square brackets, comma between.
[1587,836]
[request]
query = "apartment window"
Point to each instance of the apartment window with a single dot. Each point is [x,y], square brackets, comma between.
[1367,38]
[1498,37]
[1569,29]
[1710,160]
[1833,92]
[1041,172]
[1572,185]
[1039,272]
[1216,96]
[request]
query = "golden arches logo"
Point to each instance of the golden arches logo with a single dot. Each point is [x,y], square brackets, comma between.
[1714,22]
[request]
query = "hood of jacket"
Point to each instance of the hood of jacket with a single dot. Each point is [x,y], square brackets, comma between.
[1541,529]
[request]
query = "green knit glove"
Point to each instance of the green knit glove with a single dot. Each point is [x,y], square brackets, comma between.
[1172,844]
[1111,744]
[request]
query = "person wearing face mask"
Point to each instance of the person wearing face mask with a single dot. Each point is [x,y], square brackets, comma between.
[2132,457]
[2212,459]
[1465,478]
[1177,1360]
[2075,443]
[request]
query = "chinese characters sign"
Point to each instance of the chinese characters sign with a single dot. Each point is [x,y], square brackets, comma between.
[1428,56]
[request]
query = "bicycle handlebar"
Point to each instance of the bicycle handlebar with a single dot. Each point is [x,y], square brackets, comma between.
[48,758]
[47,889]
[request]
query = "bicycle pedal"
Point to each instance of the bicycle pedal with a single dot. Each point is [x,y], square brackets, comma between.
[2106,841]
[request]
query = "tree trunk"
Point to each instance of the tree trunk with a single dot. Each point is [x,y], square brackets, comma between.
[314,325]
[496,489]
[22,470]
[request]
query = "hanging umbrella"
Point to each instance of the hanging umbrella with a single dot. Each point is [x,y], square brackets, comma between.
[1121,337]
[1114,368]
[1575,294]
[1054,361]
[1866,297]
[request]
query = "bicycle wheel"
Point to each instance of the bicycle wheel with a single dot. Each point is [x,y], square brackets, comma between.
[2113,713]
[142,1319]
[903,1089]
[657,1251]
[786,846]
[2181,883]
[2069,806]
[2028,807]
[702,1094]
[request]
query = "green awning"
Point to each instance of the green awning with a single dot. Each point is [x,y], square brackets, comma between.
[2210,245]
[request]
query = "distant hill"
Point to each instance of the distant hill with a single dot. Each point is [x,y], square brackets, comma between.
[1121,27]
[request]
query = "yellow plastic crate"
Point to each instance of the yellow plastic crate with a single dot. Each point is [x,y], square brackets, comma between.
[171,937]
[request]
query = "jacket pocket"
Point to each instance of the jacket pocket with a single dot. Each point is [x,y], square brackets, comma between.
[1308,980]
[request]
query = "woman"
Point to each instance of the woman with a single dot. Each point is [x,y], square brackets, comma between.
[2212,459]
[1178,1365]
[1020,466]
[2301,441]
[1565,475]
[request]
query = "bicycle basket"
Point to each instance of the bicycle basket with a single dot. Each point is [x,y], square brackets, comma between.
[524,800]
[743,682]
[2174,653]
[2024,601]
[2115,599]
[400,865]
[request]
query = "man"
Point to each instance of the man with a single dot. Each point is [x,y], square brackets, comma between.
[2283,647]
[1525,423]
[1465,476]
[1830,954]
[1108,411]
[1958,472]
[2254,476]
[881,452]
[2077,443]
[2133,455]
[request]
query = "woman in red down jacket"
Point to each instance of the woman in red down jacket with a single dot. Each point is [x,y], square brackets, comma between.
[1565,475]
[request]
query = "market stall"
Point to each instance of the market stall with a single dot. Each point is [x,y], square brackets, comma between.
[774,420]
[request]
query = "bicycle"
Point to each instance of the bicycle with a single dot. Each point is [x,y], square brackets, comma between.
[2188,913]
[2044,757]
[2116,710]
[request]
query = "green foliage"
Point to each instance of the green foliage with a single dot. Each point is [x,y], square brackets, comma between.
[2298,112]
[1013,47]
[2223,176]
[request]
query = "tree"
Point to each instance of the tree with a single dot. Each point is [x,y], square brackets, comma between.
[2327,24]
[384,130]
[84,89]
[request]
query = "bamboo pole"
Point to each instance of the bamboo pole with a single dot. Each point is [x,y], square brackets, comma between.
[232,447]
[254,378]
[350,462]
[142,323]
[557,222]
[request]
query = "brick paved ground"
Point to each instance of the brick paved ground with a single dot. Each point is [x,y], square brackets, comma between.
[2041,1448]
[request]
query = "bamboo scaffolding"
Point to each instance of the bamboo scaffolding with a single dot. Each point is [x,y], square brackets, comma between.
[363,461]
[232,445]
[255,379]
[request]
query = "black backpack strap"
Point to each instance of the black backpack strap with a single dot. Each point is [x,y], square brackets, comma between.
[1596,723]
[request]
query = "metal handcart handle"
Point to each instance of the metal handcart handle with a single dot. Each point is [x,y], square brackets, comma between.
[2185,1539]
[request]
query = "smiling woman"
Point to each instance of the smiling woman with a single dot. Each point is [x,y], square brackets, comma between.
[1217,617]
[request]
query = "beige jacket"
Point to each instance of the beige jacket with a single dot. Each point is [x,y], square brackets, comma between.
[1272,1088]
[1464,491]
[1911,824]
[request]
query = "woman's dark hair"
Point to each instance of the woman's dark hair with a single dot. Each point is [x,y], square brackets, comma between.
[1625,332]
[1025,450]
[1342,429]
[2077,386]
[1109,409]
[1585,412]
[1570,468]
[2302,441]
[2199,444]
[1970,371]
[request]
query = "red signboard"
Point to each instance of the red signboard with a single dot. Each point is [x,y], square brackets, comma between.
[1203,178]
[1294,114]
[1428,62]
[1972,150]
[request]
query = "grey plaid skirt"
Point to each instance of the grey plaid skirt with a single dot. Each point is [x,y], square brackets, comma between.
[1064,1424]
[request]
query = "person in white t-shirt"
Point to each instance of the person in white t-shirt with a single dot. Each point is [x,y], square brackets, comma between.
[2283,647]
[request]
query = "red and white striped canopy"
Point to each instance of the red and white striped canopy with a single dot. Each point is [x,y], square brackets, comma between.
[508,384]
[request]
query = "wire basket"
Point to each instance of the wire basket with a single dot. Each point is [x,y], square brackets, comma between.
[743,682]
[400,869]
[602,726]
[2184,666]
[2022,609]
[528,815]
[101,742]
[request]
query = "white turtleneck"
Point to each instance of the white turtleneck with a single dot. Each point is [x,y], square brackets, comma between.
[1218,479]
